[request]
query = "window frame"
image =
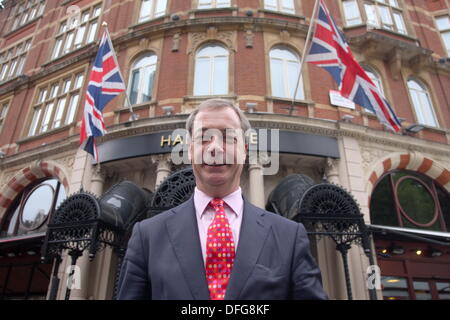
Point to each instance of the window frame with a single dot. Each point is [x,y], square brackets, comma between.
[66,36]
[446,45]
[214,4]
[16,56]
[14,213]
[426,90]
[152,15]
[46,104]
[285,75]
[4,109]
[394,12]
[211,75]
[279,7]
[148,54]
[360,20]
[19,13]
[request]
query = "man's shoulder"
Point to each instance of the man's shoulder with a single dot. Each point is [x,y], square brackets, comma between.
[273,218]
[162,217]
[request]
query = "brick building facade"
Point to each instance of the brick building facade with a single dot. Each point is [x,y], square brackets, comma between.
[174,54]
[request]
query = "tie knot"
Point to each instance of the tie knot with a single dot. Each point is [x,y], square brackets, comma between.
[216,203]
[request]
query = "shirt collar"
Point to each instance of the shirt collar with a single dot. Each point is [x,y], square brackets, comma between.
[233,200]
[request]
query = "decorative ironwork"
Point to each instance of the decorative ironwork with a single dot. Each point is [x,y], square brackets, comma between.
[173,191]
[325,210]
[84,222]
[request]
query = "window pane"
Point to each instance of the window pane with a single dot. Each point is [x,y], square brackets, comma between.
[57,49]
[443,23]
[79,81]
[422,290]
[203,4]
[220,75]
[146,8]
[202,76]
[67,83]
[160,8]
[394,288]
[80,35]
[134,87]
[270,4]
[47,115]
[288,6]
[37,207]
[34,121]
[385,17]
[276,69]
[59,113]
[70,117]
[382,204]
[147,84]
[223,3]
[393,3]
[352,16]
[422,104]
[443,289]
[69,41]
[399,23]
[293,69]
[92,31]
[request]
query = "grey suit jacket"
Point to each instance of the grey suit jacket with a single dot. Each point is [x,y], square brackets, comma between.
[273,259]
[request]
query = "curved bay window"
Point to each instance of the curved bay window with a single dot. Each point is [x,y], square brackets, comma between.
[386,14]
[142,78]
[284,68]
[32,207]
[280,5]
[410,200]
[422,103]
[211,71]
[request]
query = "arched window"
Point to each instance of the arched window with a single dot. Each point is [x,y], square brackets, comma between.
[411,200]
[32,207]
[422,103]
[373,75]
[142,77]
[211,71]
[151,9]
[284,68]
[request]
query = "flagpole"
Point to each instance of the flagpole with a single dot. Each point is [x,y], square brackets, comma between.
[133,116]
[303,57]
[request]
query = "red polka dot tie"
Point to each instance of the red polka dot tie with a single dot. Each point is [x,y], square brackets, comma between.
[219,252]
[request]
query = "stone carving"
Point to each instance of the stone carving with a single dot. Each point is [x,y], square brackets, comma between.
[212,33]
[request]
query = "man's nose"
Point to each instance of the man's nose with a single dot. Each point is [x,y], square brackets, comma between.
[216,145]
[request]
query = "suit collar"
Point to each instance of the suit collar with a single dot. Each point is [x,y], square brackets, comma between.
[183,233]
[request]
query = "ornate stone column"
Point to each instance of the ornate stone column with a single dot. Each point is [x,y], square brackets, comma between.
[163,167]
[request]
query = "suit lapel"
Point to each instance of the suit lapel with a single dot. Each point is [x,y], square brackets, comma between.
[183,233]
[251,240]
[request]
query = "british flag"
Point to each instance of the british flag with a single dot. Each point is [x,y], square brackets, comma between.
[330,51]
[105,83]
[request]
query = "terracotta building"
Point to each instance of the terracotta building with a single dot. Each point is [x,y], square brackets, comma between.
[174,54]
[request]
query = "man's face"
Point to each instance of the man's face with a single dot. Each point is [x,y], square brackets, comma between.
[217,151]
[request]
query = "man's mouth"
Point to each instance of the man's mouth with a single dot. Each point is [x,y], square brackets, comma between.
[214,165]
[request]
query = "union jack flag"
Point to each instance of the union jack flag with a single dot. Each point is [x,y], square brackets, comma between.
[105,83]
[330,51]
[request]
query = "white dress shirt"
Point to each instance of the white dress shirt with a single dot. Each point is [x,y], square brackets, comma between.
[234,207]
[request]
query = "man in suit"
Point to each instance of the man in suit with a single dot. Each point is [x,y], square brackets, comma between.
[217,245]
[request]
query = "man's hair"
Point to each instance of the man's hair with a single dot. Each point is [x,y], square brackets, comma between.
[217,104]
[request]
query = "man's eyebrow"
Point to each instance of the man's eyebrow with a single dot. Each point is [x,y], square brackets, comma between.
[221,130]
